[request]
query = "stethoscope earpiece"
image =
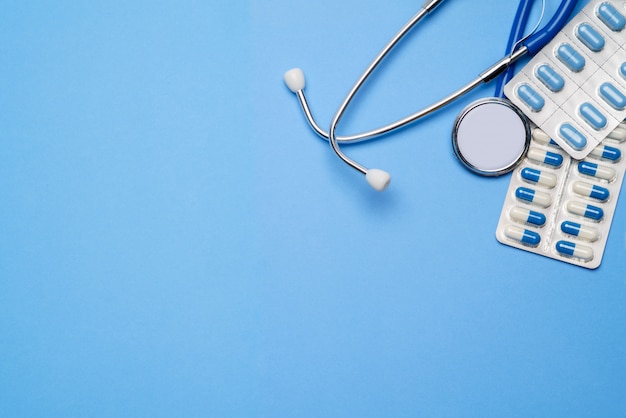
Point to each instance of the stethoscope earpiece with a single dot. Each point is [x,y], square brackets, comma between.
[378,179]
[294,79]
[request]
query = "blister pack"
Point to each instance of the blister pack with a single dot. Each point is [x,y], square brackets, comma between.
[560,207]
[574,89]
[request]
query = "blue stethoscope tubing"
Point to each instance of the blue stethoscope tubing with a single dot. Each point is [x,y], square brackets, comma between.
[379,179]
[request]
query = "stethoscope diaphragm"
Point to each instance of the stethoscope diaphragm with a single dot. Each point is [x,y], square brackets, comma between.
[491,136]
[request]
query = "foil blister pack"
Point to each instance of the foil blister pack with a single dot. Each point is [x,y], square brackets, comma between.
[560,207]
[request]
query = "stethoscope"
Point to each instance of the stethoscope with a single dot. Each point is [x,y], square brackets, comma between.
[489,154]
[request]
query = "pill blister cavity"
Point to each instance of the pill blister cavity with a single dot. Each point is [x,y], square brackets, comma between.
[596,170]
[612,95]
[550,78]
[590,37]
[573,60]
[611,17]
[570,249]
[573,136]
[524,236]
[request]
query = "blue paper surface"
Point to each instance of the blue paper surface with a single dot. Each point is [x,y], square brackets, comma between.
[175,241]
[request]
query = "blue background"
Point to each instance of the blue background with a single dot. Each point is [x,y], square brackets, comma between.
[175,241]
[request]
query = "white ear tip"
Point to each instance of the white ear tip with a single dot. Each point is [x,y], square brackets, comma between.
[378,179]
[294,79]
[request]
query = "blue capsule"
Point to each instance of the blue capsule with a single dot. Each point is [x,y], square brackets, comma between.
[574,250]
[573,137]
[590,37]
[613,96]
[550,78]
[571,58]
[622,70]
[533,99]
[592,116]
[613,19]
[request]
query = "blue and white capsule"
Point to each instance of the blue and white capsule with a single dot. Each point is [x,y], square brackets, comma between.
[590,37]
[607,153]
[570,249]
[593,191]
[535,197]
[524,236]
[609,15]
[571,58]
[612,96]
[528,216]
[595,170]
[585,210]
[542,178]
[542,137]
[545,157]
[574,138]
[618,134]
[580,231]
[550,78]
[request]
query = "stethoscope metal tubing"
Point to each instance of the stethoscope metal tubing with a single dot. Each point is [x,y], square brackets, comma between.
[371,67]
[484,77]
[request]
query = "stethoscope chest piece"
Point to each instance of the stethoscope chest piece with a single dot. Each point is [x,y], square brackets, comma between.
[491,136]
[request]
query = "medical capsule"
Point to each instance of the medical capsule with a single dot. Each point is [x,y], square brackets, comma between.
[594,170]
[590,37]
[573,136]
[522,235]
[591,190]
[612,96]
[533,196]
[618,134]
[613,19]
[571,249]
[588,211]
[605,152]
[581,231]
[550,78]
[542,137]
[570,58]
[528,216]
[593,117]
[529,96]
[538,177]
[545,157]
